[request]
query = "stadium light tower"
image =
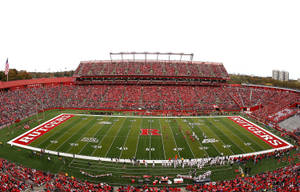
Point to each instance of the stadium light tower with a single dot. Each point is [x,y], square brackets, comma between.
[110,57]
[146,57]
[122,56]
[133,55]
[146,54]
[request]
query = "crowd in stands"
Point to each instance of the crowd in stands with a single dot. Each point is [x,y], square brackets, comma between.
[16,178]
[249,97]
[272,105]
[20,103]
[148,189]
[157,68]
[281,180]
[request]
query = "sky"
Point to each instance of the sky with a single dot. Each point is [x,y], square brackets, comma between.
[249,37]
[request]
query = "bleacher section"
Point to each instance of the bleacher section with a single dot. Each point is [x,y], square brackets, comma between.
[19,103]
[271,104]
[111,72]
[151,68]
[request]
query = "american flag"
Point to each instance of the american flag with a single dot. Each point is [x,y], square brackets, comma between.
[6,67]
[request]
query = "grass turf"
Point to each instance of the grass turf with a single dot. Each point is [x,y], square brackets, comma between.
[117,137]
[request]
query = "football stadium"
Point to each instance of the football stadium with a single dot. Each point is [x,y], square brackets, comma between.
[147,121]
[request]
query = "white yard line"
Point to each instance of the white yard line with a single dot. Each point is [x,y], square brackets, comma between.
[162,139]
[88,142]
[174,139]
[245,136]
[186,140]
[221,141]
[68,137]
[150,141]
[44,141]
[115,137]
[126,139]
[210,143]
[138,139]
[199,140]
[103,136]
[229,138]
[249,137]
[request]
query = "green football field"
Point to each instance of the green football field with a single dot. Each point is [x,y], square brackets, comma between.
[155,138]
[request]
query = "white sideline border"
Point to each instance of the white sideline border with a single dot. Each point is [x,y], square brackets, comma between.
[46,151]
[40,125]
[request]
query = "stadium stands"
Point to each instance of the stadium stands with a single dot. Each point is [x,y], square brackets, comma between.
[20,103]
[151,68]
[272,105]
[16,178]
[283,179]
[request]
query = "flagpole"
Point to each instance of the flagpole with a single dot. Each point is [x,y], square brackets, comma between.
[6,69]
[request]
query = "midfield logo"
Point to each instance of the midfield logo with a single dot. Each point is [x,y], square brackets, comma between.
[149,132]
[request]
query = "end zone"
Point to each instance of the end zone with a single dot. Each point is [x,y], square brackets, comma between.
[266,136]
[31,135]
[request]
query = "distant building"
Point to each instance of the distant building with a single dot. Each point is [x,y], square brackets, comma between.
[299,80]
[275,74]
[280,75]
[286,76]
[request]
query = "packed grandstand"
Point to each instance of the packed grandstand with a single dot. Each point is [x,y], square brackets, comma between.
[156,87]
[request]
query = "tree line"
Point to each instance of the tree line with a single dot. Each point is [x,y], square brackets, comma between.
[239,79]
[14,74]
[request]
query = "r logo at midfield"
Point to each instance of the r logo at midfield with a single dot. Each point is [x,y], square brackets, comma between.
[149,132]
